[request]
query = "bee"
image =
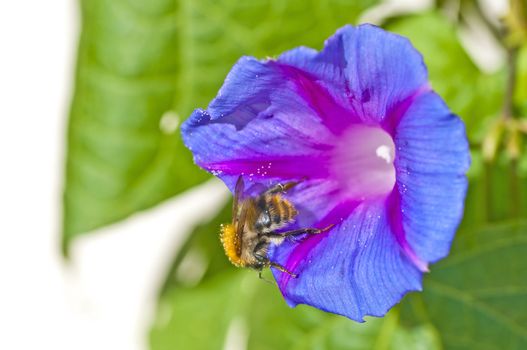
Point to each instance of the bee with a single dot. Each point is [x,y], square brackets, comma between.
[255,221]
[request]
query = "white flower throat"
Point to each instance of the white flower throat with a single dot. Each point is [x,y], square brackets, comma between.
[363,162]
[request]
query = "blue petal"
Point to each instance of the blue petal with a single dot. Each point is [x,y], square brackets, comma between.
[265,122]
[432,158]
[356,269]
[376,69]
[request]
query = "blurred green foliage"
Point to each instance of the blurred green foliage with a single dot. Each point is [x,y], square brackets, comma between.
[520,96]
[144,65]
[204,317]
[477,297]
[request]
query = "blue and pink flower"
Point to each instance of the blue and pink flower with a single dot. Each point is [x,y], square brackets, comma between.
[382,156]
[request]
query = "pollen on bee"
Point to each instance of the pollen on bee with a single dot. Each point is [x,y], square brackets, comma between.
[230,243]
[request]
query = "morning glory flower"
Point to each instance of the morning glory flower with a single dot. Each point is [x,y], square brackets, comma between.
[379,154]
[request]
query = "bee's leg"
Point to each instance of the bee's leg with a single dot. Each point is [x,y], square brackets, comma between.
[263,278]
[275,237]
[264,260]
[280,188]
[279,267]
[282,269]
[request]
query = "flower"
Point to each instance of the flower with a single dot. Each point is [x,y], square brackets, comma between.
[382,156]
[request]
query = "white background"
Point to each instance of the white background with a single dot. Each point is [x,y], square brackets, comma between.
[105,298]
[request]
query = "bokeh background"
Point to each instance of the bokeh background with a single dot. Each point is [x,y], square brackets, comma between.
[108,232]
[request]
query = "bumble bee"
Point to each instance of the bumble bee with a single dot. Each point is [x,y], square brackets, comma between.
[255,221]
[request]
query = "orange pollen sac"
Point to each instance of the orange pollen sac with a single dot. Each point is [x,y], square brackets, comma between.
[230,244]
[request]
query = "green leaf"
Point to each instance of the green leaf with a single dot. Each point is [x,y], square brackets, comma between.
[120,159]
[144,65]
[497,194]
[204,317]
[471,94]
[477,297]
[197,318]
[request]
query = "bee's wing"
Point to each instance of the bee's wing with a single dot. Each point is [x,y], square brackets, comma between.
[240,226]
[238,192]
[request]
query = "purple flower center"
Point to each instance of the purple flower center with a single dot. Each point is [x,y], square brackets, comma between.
[363,162]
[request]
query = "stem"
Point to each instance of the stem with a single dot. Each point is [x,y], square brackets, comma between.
[508,103]
[508,115]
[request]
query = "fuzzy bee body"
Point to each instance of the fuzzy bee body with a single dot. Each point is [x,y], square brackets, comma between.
[275,212]
[255,220]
